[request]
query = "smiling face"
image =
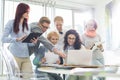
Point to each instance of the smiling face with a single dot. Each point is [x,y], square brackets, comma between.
[54,39]
[71,39]
[45,26]
[58,21]
[59,25]
[91,25]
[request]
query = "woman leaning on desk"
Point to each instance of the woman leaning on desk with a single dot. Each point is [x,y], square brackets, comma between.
[72,42]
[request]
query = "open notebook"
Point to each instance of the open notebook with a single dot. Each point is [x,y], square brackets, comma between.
[79,58]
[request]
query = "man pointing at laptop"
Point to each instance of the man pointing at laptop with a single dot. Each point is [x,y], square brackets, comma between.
[41,27]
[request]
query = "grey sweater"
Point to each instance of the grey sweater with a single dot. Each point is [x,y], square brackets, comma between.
[35,28]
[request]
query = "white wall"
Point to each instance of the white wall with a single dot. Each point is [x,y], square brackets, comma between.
[100,17]
[116,24]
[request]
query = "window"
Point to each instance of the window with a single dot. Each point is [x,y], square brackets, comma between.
[36,12]
[80,18]
[116,26]
[67,16]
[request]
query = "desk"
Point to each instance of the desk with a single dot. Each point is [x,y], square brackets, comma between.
[85,71]
[54,70]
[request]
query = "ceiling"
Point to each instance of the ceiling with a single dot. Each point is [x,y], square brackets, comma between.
[87,2]
[73,4]
[83,2]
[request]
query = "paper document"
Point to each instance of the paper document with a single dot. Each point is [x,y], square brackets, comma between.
[51,58]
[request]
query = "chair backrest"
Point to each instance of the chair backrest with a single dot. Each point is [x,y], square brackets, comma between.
[12,66]
[13,70]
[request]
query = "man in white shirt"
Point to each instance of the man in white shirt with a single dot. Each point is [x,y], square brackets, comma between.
[58,21]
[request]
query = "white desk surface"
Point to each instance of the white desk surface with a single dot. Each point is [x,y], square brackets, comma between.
[54,70]
[80,71]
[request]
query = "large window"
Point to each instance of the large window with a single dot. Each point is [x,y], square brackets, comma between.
[116,25]
[36,11]
[80,18]
[67,16]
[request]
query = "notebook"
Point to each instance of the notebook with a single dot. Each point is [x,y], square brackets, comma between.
[31,36]
[79,58]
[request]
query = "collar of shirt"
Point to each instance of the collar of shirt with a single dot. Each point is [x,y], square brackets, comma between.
[60,32]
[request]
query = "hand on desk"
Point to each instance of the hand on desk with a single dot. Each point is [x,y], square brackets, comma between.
[43,60]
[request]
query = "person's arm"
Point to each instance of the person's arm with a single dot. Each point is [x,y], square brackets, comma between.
[61,54]
[46,43]
[50,46]
[7,31]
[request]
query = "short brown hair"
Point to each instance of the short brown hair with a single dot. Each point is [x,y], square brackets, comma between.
[58,18]
[44,20]
[53,33]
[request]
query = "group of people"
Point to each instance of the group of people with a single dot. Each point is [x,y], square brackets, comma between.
[58,42]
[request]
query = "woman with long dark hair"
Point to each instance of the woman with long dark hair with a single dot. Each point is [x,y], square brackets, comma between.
[72,42]
[14,32]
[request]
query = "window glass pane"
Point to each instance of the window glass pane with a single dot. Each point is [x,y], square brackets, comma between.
[67,16]
[36,12]
[115,26]
[80,18]
[10,8]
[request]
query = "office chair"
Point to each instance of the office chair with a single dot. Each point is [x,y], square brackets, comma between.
[13,71]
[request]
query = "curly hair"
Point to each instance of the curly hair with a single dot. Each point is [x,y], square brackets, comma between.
[77,44]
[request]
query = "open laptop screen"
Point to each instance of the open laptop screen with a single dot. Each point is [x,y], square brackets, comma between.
[79,57]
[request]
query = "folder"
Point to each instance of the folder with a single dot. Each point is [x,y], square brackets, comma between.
[31,36]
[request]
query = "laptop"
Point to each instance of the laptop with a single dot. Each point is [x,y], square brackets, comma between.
[79,58]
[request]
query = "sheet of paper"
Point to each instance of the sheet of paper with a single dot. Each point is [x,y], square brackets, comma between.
[51,58]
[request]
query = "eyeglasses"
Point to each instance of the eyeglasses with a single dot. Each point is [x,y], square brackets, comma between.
[44,26]
[71,38]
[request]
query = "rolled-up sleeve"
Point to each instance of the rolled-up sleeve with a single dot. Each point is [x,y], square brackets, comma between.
[46,43]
